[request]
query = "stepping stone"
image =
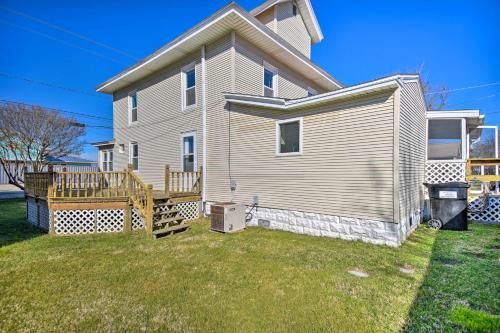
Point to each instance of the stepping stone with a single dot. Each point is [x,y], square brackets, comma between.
[407,270]
[359,273]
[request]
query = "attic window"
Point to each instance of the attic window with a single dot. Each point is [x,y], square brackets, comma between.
[294,10]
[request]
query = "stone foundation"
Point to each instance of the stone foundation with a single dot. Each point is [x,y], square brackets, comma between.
[347,228]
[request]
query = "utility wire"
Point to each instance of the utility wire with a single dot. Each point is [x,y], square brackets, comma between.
[6,101]
[463,88]
[475,99]
[64,42]
[72,33]
[52,85]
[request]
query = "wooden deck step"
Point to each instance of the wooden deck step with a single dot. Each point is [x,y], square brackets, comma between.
[164,204]
[168,220]
[166,212]
[170,230]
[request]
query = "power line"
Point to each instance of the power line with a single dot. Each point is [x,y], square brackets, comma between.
[464,88]
[6,101]
[475,99]
[52,85]
[63,42]
[72,33]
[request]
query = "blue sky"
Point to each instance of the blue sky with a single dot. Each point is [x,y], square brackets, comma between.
[456,42]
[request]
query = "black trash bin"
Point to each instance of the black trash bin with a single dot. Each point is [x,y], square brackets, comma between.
[449,204]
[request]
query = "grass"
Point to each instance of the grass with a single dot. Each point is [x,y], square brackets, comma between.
[255,281]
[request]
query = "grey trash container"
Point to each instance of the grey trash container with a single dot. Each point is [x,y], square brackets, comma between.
[449,204]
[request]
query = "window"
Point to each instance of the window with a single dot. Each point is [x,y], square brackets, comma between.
[294,10]
[189,86]
[289,137]
[132,107]
[188,141]
[311,92]
[134,156]
[270,78]
[107,160]
[445,139]
[121,148]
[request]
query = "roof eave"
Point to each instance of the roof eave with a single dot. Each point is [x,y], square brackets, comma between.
[141,69]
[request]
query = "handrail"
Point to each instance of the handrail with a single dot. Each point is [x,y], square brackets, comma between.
[141,196]
[479,162]
[183,181]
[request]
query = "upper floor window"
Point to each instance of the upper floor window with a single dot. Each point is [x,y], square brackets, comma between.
[289,137]
[134,156]
[132,100]
[189,86]
[270,80]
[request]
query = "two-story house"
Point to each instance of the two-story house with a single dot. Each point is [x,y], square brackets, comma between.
[239,96]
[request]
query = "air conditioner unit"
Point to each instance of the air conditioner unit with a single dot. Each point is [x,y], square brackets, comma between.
[228,217]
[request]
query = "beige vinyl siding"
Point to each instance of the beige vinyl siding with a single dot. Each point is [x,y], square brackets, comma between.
[411,149]
[161,121]
[346,168]
[267,18]
[293,29]
[249,73]
[219,69]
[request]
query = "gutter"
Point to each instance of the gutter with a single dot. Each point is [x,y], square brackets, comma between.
[391,82]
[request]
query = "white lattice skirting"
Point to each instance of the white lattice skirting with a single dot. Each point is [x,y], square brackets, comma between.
[490,214]
[443,172]
[37,213]
[189,210]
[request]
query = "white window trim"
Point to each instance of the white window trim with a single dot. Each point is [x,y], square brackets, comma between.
[464,144]
[301,134]
[195,160]
[184,86]
[130,154]
[121,148]
[102,159]
[129,102]
[495,128]
[266,65]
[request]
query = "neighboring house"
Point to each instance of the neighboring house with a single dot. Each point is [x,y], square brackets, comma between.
[69,163]
[239,96]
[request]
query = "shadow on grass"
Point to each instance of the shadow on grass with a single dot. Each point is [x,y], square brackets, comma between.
[13,225]
[463,273]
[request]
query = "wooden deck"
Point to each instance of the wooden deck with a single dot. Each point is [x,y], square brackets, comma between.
[115,189]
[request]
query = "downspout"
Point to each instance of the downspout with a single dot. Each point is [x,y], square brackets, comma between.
[204,125]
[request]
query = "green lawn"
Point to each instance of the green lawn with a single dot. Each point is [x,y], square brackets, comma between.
[254,281]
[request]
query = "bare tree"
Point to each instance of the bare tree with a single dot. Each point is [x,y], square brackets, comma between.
[435,96]
[30,134]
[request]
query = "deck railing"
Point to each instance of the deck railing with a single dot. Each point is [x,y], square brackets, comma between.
[142,197]
[475,170]
[183,182]
[92,185]
[37,183]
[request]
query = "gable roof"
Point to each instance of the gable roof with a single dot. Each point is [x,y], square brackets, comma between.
[307,12]
[230,18]
[69,159]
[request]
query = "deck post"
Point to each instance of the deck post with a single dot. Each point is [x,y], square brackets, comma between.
[127,221]
[167,180]
[50,195]
[149,209]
